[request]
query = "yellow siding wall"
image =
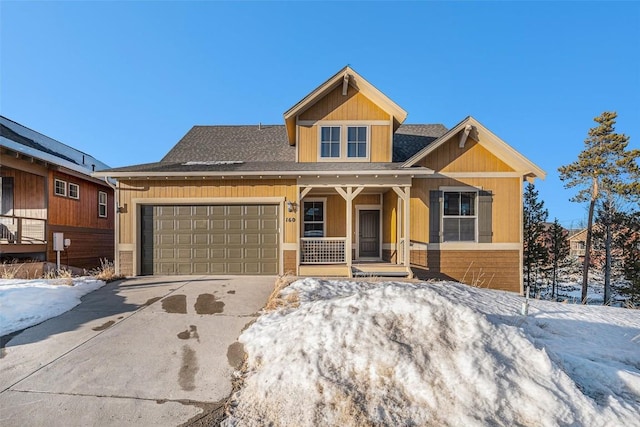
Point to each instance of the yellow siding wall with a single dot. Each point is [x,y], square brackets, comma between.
[506,205]
[336,221]
[449,157]
[380,144]
[353,106]
[205,189]
[389,215]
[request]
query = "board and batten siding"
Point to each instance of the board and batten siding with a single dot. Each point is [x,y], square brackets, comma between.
[206,189]
[354,107]
[473,157]
[506,212]
[29,193]
[82,212]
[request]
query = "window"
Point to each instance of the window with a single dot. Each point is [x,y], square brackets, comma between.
[313,219]
[459,216]
[60,187]
[344,142]
[330,141]
[356,141]
[102,204]
[6,195]
[74,191]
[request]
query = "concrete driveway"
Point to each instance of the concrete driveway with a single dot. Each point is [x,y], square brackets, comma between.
[151,351]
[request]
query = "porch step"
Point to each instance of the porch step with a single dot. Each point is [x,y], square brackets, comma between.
[359,273]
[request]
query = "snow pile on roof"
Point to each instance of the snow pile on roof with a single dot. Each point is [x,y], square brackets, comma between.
[437,354]
[213,163]
[25,303]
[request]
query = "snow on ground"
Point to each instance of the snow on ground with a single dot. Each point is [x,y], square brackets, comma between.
[437,354]
[25,303]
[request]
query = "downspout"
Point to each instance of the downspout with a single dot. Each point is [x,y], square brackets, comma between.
[116,224]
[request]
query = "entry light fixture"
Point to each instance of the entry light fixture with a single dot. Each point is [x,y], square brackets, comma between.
[291,206]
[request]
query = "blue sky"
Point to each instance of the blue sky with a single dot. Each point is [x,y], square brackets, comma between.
[124,81]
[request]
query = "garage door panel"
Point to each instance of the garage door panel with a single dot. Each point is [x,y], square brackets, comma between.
[231,239]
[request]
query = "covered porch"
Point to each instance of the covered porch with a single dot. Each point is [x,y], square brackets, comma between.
[357,229]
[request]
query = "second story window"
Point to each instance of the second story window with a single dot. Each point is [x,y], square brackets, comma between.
[356,141]
[74,191]
[60,187]
[330,142]
[102,204]
[344,143]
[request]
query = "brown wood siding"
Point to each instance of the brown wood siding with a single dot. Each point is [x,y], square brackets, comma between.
[380,144]
[485,269]
[206,189]
[29,194]
[506,223]
[88,246]
[353,106]
[449,157]
[83,212]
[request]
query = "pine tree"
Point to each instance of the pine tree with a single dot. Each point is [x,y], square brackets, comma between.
[604,165]
[534,216]
[557,239]
[628,240]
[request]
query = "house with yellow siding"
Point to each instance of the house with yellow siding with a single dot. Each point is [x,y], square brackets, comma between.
[343,188]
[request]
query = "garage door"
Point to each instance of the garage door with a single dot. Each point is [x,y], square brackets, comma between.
[230,239]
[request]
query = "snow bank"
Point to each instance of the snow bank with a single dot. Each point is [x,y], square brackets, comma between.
[437,354]
[25,303]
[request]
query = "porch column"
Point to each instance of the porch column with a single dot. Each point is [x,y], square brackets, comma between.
[407,228]
[405,195]
[349,194]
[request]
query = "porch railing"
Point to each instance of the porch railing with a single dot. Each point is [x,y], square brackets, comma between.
[323,250]
[22,230]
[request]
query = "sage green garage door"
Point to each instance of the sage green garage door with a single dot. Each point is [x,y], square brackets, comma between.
[229,239]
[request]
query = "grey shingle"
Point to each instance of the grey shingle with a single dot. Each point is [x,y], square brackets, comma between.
[265,148]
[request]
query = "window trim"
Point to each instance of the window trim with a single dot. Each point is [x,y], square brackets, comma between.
[101,204]
[322,200]
[475,216]
[77,197]
[344,141]
[55,187]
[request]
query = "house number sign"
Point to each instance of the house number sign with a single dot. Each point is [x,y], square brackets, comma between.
[290,220]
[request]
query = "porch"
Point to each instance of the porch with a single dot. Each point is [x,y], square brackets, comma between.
[22,234]
[358,230]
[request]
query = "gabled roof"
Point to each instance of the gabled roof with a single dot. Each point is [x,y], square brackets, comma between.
[263,149]
[27,142]
[355,80]
[490,141]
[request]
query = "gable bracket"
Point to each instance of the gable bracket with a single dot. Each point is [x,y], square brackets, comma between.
[345,84]
[464,135]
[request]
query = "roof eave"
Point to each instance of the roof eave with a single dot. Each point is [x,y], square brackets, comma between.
[413,172]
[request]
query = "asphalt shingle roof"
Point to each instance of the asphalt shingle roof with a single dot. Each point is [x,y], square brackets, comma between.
[254,148]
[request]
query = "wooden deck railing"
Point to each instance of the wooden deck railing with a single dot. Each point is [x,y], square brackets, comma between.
[18,230]
[322,250]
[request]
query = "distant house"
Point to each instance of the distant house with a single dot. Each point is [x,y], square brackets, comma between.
[343,188]
[46,188]
[578,243]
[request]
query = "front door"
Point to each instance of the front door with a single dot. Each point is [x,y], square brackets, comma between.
[369,234]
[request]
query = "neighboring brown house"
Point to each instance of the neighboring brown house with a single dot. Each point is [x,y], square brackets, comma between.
[47,188]
[343,188]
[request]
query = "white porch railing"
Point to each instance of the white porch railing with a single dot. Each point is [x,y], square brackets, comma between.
[322,250]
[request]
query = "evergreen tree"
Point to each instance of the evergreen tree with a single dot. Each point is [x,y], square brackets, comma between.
[534,216]
[604,165]
[557,239]
[628,239]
